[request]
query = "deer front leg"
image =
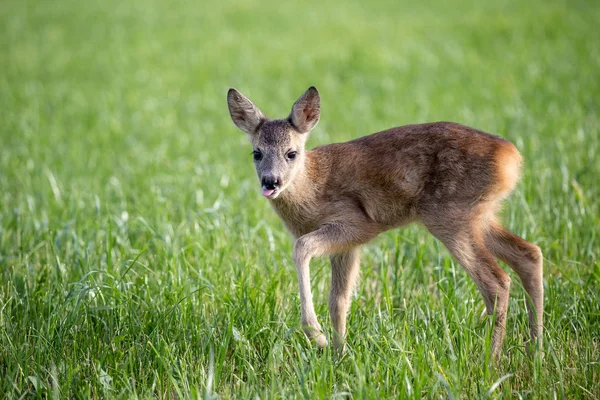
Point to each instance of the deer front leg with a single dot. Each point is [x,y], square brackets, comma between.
[344,271]
[305,248]
[331,238]
[303,252]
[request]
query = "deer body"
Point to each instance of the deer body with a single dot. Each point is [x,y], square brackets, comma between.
[441,164]
[337,197]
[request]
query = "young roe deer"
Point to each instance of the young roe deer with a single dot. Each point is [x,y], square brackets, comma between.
[335,198]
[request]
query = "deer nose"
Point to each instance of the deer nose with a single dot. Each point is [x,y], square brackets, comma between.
[270,182]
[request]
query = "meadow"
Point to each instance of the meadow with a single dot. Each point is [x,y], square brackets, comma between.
[139,260]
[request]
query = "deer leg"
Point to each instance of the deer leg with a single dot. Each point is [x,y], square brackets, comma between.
[310,324]
[526,260]
[467,246]
[331,238]
[344,271]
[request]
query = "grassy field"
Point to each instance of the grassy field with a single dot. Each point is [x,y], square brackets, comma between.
[138,258]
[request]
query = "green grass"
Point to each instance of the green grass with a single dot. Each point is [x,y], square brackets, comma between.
[138,258]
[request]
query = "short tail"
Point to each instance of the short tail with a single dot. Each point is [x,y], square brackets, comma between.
[507,171]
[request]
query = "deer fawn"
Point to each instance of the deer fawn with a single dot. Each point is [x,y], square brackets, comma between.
[335,198]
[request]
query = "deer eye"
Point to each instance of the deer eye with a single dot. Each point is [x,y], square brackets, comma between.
[257,155]
[291,155]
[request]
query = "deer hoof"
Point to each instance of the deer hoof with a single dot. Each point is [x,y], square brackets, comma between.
[320,340]
[317,336]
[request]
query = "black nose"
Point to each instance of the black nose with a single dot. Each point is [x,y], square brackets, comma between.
[270,182]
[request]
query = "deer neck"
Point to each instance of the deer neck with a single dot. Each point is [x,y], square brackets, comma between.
[304,187]
[298,204]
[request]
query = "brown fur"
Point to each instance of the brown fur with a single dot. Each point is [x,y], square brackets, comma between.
[337,197]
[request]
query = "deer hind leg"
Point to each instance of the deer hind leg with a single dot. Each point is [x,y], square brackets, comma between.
[466,243]
[526,260]
[344,271]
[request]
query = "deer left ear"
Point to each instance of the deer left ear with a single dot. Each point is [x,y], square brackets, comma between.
[306,111]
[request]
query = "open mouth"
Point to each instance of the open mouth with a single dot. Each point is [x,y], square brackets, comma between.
[271,193]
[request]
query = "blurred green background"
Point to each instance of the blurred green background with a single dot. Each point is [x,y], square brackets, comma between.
[138,258]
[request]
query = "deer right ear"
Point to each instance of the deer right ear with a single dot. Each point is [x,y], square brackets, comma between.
[244,114]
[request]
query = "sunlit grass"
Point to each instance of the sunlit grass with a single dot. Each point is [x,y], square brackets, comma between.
[138,258]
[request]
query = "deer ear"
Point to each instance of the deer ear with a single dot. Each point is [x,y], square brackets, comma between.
[306,111]
[244,114]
